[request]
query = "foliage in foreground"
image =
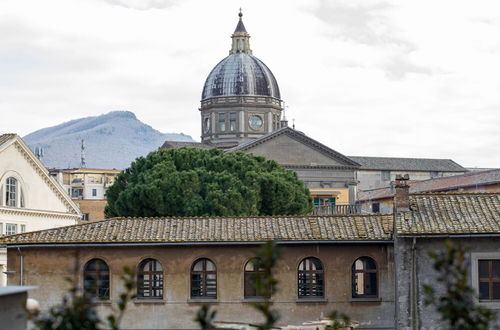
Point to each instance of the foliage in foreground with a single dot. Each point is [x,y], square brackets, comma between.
[78,310]
[457,305]
[198,182]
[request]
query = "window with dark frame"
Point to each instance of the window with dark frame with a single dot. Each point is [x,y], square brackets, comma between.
[310,278]
[150,280]
[222,122]
[203,279]
[94,192]
[11,192]
[386,175]
[96,279]
[376,207]
[364,278]
[489,279]
[232,122]
[251,272]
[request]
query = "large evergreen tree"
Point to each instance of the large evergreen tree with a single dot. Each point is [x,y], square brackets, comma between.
[198,182]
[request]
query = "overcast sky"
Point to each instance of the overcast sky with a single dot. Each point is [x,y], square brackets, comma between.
[375,78]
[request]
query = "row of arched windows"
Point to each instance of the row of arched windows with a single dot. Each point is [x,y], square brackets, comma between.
[310,279]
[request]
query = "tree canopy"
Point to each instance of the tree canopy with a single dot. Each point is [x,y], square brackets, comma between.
[200,182]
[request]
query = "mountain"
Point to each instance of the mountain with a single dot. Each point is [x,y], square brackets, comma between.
[112,140]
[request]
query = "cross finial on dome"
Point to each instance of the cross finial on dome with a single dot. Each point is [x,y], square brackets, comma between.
[240,14]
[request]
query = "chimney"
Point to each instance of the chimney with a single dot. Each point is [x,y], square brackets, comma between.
[401,197]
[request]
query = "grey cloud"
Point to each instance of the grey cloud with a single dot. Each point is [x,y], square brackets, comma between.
[398,67]
[362,23]
[142,4]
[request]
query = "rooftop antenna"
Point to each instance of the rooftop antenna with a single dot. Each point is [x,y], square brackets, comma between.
[83,164]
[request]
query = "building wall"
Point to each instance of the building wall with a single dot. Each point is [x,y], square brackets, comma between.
[94,209]
[372,179]
[47,268]
[385,206]
[426,317]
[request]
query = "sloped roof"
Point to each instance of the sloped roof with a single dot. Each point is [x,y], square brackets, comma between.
[216,229]
[301,137]
[450,214]
[467,180]
[41,170]
[407,164]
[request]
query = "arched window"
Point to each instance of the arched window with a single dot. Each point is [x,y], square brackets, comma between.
[310,278]
[203,279]
[150,280]
[11,192]
[96,279]
[364,278]
[251,272]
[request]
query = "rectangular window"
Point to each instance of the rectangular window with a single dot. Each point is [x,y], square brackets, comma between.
[222,122]
[23,228]
[434,174]
[386,175]
[232,122]
[489,279]
[94,192]
[1,228]
[85,217]
[10,229]
[376,207]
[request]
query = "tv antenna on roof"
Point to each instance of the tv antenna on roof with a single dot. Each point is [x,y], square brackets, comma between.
[83,164]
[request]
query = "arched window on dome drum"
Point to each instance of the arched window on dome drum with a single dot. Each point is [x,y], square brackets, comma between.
[96,279]
[252,271]
[310,278]
[11,191]
[364,278]
[203,279]
[150,280]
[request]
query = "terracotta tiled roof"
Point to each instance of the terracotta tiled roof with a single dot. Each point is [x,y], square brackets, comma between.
[445,183]
[451,213]
[227,229]
[407,164]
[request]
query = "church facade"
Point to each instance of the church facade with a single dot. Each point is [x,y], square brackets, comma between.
[242,110]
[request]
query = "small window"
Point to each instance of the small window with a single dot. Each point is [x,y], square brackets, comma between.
[386,175]
[252,271]
[489,279]
[96,279]
[434,174]
[310,278]
[222,122]
[85,217]
[364,278]
[94,192]
[22,228]
[10,229]
[150,280]
[11,192]
[376,207]
[232,122]
[203,279]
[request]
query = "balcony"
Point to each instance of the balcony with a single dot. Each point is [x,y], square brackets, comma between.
[336,209]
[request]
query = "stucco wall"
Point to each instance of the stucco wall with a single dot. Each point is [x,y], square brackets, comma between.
[369,179]
[426,316]
[47,267]
[94,208]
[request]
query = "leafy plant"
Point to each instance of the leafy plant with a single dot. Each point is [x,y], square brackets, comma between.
[457,305]
[197,182]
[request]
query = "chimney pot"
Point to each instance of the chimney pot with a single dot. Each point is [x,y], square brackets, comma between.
[401,197]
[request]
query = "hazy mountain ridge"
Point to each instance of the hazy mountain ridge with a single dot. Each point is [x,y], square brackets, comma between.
[112,140]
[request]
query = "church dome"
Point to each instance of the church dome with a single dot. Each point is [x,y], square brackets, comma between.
[240,74]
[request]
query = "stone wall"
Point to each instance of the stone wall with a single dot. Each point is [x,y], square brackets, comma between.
[47,267]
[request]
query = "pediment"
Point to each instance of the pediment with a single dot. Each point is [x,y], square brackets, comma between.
[290,147]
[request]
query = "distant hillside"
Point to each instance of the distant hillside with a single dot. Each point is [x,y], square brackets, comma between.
[112,140]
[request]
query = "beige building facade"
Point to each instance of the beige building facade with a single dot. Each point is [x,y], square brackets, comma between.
[30,198]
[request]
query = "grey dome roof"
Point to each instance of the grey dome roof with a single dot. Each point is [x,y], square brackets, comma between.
[240,74]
